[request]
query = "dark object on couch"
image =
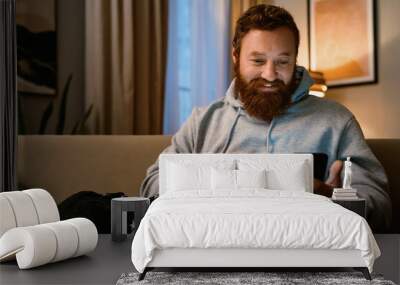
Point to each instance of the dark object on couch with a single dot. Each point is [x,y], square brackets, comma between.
[91,205]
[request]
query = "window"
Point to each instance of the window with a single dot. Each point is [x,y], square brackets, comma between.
[198,57]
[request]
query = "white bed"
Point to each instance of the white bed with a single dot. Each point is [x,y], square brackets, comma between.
[227,217]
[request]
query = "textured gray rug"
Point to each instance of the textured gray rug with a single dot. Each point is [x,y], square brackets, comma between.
[228,278]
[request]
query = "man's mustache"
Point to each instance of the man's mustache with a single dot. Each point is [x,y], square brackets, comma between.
[259,82]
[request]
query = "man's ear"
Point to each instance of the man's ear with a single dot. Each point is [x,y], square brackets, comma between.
[235,56]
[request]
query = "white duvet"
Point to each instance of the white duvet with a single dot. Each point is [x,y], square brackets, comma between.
[250,219]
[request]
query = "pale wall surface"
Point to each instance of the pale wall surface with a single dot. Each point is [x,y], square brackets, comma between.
[376,106]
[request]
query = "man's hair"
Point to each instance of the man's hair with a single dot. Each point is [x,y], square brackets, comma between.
[264,17]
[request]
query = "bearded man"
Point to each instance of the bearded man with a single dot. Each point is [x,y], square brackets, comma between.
[267,109]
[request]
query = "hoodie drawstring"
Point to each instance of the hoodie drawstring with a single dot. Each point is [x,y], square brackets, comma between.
[269,134]
[228,140]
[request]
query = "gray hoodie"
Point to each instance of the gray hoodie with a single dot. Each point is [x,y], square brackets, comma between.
[310,125]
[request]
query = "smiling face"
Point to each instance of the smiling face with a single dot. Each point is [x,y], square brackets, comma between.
[265,71]
[270,55]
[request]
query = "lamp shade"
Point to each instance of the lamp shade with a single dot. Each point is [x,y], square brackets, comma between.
[319,87]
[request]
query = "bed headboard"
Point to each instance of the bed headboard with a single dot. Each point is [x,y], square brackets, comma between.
[280,163]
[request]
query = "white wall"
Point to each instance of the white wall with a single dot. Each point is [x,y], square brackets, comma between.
[298,9]
[376,106]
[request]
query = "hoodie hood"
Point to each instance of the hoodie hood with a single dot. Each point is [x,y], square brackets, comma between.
[302,75]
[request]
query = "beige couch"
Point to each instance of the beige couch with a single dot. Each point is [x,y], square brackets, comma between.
[67,164]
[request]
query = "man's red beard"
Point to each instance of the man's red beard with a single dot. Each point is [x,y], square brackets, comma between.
[264,105]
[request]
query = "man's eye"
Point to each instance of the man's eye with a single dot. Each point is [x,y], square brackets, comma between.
[282,62]
[259,61]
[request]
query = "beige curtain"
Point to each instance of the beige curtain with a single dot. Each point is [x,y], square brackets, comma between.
[125,65]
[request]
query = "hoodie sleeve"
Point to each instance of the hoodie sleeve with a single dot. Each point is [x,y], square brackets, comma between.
[368,175]
[182,142]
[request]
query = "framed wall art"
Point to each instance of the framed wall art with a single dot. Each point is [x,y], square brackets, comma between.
[36,47]
[342,41]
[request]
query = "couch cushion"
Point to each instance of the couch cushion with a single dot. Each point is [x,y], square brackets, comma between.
[388,153]
[65,165]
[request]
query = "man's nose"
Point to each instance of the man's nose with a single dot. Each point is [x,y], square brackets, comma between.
[269,71]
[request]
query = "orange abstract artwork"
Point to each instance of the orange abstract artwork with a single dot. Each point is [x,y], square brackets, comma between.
[342,40]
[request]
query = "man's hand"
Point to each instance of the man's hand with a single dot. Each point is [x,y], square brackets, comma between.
[333,180]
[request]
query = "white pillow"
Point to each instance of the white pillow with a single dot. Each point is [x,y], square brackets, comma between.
[223,179]
[237,179]
[182,177]
[251,178]
[184,174]
[294,178]
[281,175]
